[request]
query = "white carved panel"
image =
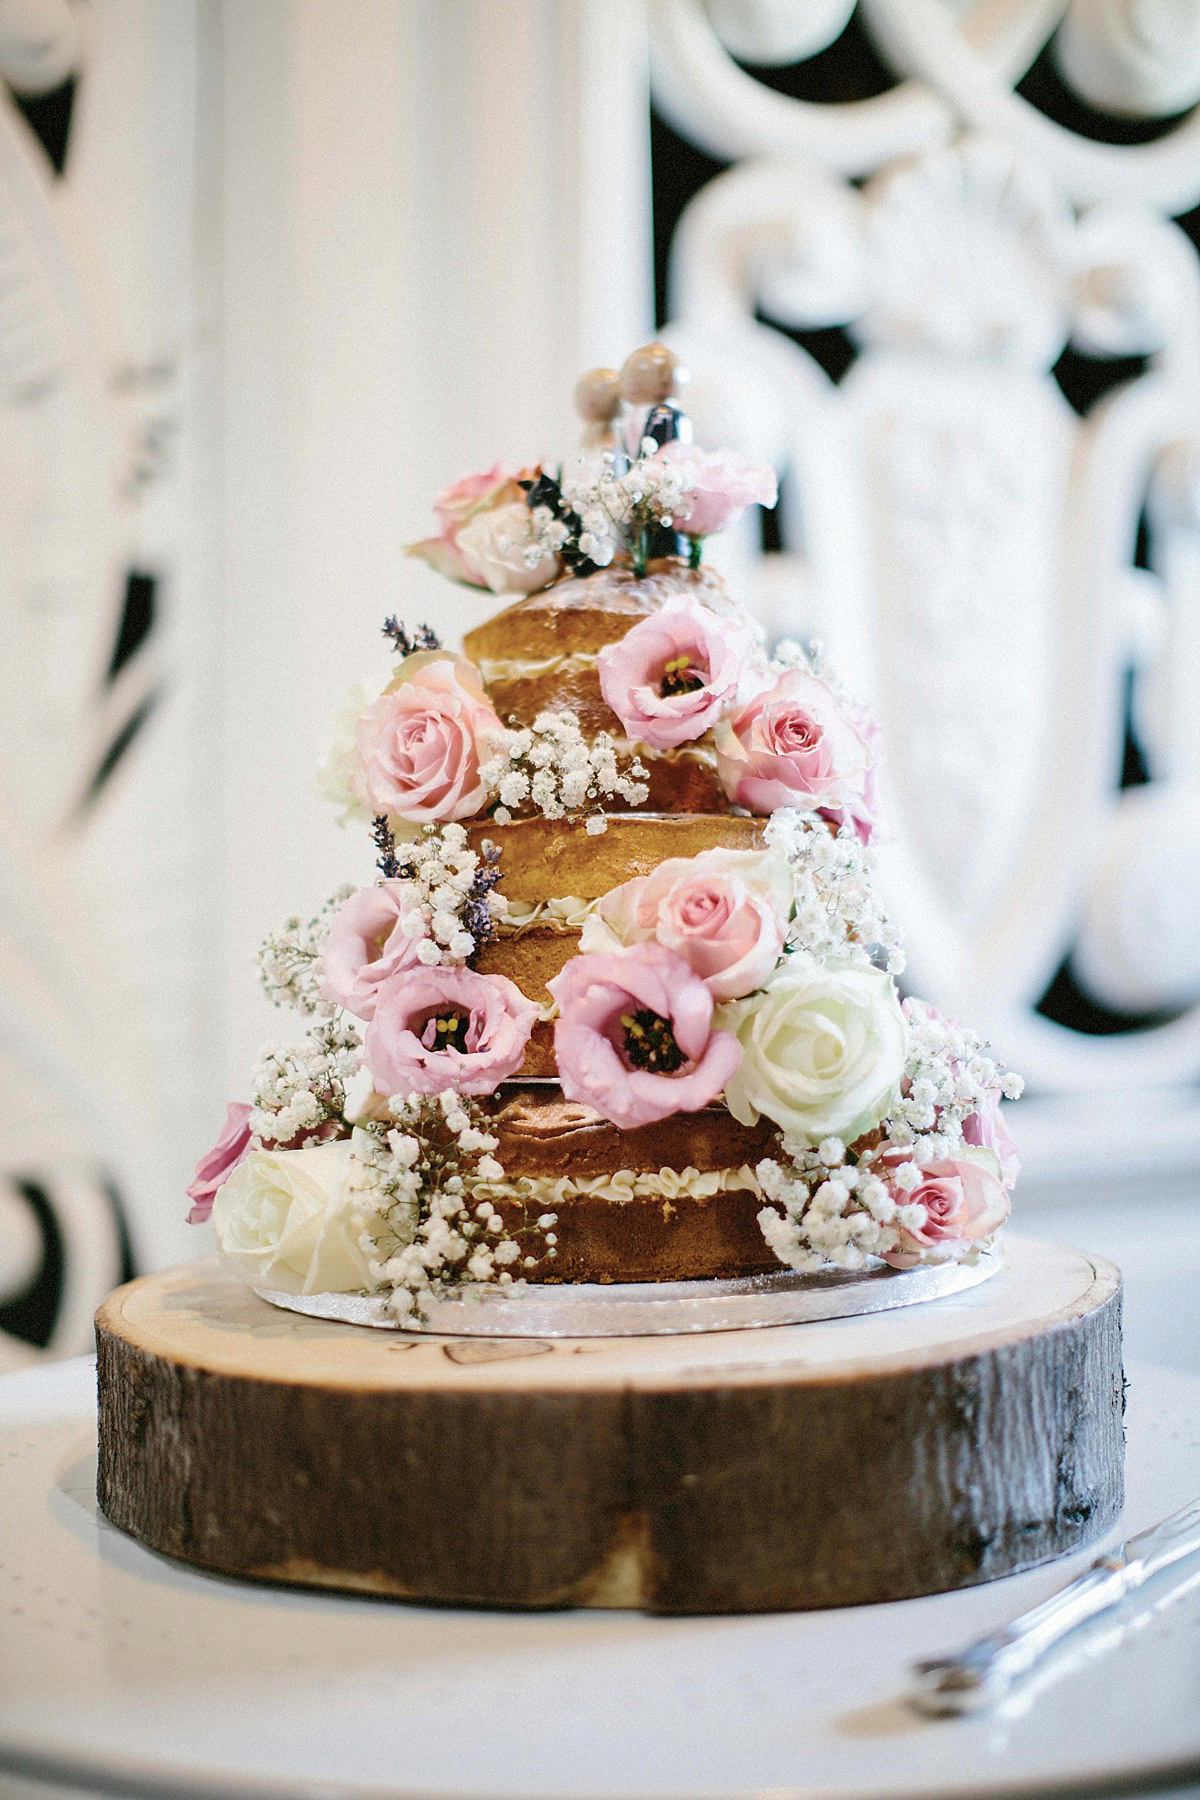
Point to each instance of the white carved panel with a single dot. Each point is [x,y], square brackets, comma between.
[963,543]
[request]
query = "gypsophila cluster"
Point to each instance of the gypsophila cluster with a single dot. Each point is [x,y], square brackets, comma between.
[424,1235]
[617,507]
[827,1212]
[829,1206]
[298,1090]
[447,900]
[947,1073]
[837,911]
[554,768]
[289,960]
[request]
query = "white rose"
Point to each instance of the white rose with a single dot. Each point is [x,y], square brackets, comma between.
[338,760]
[822,1049]
[495,542]
[286,1219]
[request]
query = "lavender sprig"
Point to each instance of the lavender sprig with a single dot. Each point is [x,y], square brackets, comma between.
[389,864]
[476,914]
[423,638]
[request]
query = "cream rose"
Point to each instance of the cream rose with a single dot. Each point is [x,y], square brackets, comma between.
[286,1220]
[500,547]
[822,1050]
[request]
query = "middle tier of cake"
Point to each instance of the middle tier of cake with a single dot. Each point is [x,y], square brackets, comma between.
[555,872]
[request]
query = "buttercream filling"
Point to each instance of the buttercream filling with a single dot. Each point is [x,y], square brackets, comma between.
[522,668]
[569,911]
[620,1186]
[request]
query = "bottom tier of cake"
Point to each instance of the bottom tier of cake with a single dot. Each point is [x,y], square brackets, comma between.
[674,1201]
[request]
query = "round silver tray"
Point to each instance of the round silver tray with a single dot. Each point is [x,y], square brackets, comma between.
[657,1309]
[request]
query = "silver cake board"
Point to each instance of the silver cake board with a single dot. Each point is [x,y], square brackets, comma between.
[656,1309]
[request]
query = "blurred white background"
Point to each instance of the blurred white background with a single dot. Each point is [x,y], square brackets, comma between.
[274,271]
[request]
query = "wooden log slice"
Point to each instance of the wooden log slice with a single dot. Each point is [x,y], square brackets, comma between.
[812,1465]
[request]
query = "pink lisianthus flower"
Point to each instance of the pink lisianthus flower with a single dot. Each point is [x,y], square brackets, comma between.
[795,745]
[487,536]
[718,486]
[669,679]
[964,1200]
[366,946]
[724,912]
[216,1166]
[446,1028]
[420,745]
[634,1038]
[985,1128]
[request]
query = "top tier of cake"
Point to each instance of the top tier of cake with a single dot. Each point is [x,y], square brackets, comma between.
[542,654]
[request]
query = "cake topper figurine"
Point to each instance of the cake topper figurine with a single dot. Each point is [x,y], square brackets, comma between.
[638,491]
[650,377]
[598,403]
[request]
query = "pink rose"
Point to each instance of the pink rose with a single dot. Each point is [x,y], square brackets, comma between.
[669,678]
[964,1202]
[215,1168]
[723,912]
[421,743]
[454,507]
[794,745]
[487,536]
[985,1127]
[635,1038]
[446,1028]
[718,486]
[863,813]
[365,946]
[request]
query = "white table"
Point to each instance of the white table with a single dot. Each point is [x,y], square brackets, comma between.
[129,1673]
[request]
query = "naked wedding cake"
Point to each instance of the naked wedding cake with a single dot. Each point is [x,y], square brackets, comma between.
[605,1147]
[621,1006]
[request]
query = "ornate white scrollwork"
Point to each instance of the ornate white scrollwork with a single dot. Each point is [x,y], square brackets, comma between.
[41,43]
[778,31]
[963,542]
[1132,56]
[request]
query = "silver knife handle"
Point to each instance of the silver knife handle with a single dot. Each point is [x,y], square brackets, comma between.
[986,1669]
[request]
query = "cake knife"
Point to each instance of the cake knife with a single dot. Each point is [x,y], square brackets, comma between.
[986,1670]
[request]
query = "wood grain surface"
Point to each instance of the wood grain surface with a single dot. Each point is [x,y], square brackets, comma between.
[849,1461]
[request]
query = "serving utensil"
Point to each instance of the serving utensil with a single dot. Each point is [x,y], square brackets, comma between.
[987,1670]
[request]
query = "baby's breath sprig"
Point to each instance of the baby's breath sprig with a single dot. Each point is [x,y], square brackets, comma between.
[447,899]
[552,767]
[615,507]
[829,1205]
[406,644]
[298,1091]
[558,526]
[289,959]
[837,910]
[424,1235]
